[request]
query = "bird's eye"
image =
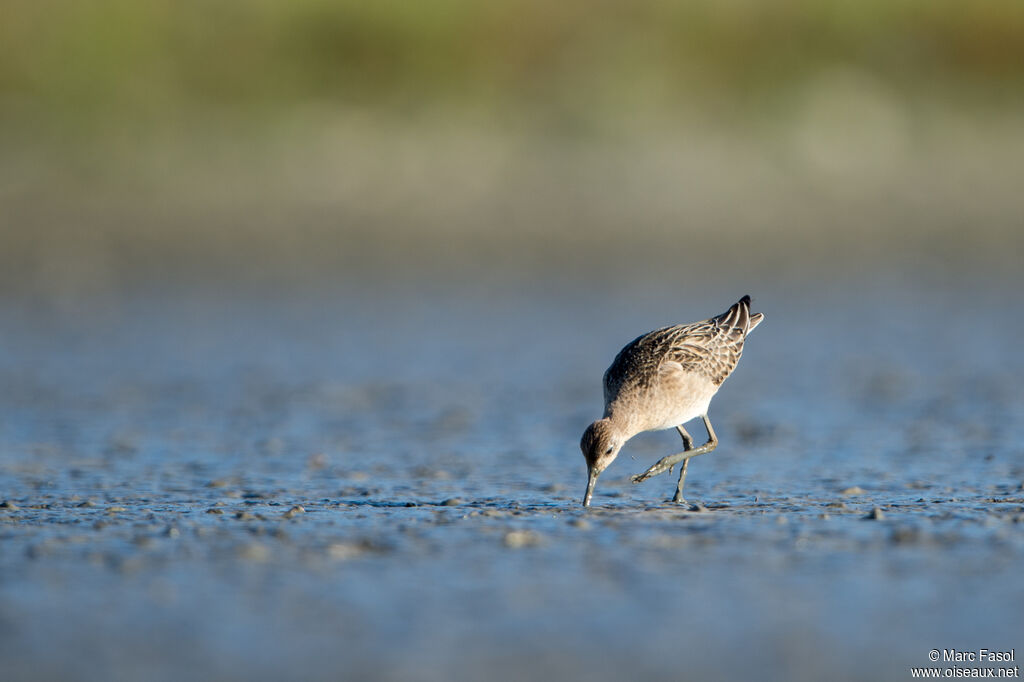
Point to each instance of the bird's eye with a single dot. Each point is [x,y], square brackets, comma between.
[609,451]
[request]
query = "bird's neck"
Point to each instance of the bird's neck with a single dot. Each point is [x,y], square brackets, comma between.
[623,422]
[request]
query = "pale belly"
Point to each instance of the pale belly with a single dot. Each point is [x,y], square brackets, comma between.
[672,402]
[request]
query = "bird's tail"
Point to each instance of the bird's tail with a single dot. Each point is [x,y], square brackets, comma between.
[739,316]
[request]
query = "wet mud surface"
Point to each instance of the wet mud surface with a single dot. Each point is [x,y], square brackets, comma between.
[332,490]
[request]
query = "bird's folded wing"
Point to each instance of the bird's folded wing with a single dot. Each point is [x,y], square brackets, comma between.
[710,352]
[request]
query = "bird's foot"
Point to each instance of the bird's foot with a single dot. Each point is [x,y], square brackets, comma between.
[640,478]
[661,466]
[653,471]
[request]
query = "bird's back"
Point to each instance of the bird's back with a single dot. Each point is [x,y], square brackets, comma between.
[709,349]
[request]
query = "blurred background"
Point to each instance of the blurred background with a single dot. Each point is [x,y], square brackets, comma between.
[284,144]
[304,306]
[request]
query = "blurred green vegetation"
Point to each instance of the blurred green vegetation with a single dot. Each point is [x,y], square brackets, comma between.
[84,66]
[309,140]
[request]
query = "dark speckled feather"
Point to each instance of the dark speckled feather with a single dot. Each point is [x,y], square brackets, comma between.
[710,348]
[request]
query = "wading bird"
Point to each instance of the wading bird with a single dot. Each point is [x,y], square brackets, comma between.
[664,379]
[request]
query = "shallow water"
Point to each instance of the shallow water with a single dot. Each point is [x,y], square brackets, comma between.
[385,484]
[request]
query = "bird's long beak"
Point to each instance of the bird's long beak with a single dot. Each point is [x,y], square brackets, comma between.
[592,474]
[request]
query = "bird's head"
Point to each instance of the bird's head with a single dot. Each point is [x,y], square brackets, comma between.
[600,445]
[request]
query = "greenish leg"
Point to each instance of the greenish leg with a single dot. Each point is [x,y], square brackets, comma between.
[687,445]
[666,463]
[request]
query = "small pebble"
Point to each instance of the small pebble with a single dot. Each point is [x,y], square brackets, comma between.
[115,509]
[452,502]
[86,504]
[581,524]
[875,515]
[698,507]
[521,538]
[905,535]
[344,550]
[7,504]
[294,511]
[244,516]
[853,490]
[126,564]
[214,510]
[171,532]
[254,551]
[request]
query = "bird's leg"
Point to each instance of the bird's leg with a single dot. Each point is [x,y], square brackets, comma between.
[687,445]
[712,438]
[663,464]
